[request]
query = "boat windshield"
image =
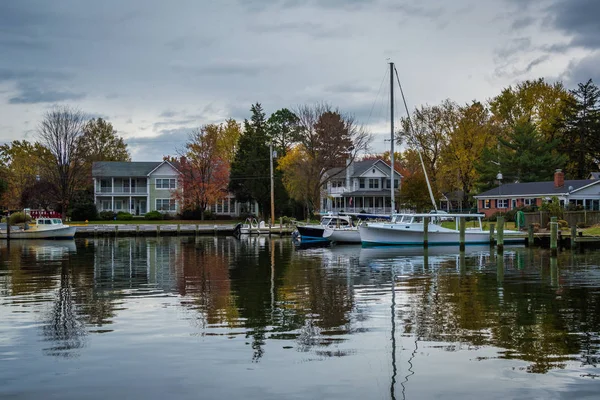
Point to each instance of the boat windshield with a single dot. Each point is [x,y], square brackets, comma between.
[57,221]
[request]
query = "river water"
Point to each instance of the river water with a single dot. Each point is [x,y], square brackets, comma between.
[220,318]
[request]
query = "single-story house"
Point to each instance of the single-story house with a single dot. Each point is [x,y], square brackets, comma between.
[581,192]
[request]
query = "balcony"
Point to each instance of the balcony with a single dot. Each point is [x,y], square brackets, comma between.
[337,190]
[121,190]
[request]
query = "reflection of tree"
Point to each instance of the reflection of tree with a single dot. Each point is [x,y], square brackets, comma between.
[64,328]
[533,319]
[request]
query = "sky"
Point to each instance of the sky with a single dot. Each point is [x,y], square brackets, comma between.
[157,69]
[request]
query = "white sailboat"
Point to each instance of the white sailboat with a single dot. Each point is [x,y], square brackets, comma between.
[409,229]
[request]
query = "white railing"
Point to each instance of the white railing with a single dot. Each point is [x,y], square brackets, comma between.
[122,190]
[337,190]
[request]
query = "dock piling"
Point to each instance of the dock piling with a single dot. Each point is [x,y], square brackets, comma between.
[553,236]
[573,236]
[500,240]
[425,232]
[462,229]
[530,236]
[492,226]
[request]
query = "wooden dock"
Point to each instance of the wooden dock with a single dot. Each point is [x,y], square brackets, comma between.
[132,230]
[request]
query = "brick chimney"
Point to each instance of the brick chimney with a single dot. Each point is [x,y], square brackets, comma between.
[559,178]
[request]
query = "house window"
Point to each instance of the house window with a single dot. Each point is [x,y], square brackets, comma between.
[106,204]
[219,207]
[373,183]
[165,205]
[226,206]
[529,202]
[118,204]
[169,183]
[361,183]
[502,203]
[486,203]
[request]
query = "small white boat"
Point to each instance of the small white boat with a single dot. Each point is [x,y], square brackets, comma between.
[343,234]
[44,228]
[408,229]
[252,227]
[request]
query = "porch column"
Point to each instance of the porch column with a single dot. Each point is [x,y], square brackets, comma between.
[112,188]
[112,208]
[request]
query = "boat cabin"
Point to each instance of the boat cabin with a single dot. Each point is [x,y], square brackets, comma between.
[44,222]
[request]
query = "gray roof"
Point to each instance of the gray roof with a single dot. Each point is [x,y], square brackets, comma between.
[123,169]
[359,167]
[536,188]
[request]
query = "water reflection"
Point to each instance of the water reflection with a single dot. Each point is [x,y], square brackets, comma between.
[321,303]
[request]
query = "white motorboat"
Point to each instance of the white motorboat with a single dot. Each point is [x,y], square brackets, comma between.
[343,234]
[408,229]
[44,228]
[253,227]
[315,232]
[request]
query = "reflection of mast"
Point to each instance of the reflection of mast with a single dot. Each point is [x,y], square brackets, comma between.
[394,369]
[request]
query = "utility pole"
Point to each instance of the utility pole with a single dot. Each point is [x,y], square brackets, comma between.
[272,188]
[392,174]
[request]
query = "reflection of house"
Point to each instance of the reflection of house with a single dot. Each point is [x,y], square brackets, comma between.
[135,187]
[140,187]
[581,192]
[363,185]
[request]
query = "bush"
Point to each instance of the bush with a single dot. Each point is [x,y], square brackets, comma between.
[153,216]
[582,225]
[19,218]
[84,212]
[124,216]
[562,224]
[107,215]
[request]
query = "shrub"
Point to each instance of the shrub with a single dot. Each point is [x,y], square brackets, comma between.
[562,224]
[84,211]
[19,218]
[107,215]
[153,216]
[124,216]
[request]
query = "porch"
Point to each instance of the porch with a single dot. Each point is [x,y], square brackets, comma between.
[135,205]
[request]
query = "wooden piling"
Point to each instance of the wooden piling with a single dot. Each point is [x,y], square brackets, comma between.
[137,230]
[178,229]
[573,236]
[530,237]
[280,226]
[500,235]
[462,229]
[553,236]
[197,229]
[116,230]
[492,226]
[425,232]
[157,230]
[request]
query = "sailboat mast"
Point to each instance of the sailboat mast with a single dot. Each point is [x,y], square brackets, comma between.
[392,175]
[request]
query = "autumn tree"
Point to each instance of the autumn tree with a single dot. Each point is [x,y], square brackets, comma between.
[581,141]
[428,131]
[60,132]
[204,168]
[328,138]
[414,193]
[229,136]
[283,130]
[24,165]
[250,171]
[471,133]
[537,101]
[100,142]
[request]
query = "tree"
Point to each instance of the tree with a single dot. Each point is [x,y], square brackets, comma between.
[100,142]
[204,169]
[582,137]
[429,133]
[283,130]
[296,177]
[23,165]
[524,156]
[471,133]
[414,193]
[59,132]
[229,137]
[541,103]
[249,179]
[329,139]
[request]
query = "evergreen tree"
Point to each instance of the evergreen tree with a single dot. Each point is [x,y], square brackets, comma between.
[523,156]
[582,138]
[249,178]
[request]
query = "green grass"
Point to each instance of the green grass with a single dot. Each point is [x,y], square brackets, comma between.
[593,231]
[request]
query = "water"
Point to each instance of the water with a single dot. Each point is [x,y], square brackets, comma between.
[217,318]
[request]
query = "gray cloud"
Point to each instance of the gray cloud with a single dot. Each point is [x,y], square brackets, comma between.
[227,67]
[579,71]
[579,19]
[29,94]
[522,22]
[168,143]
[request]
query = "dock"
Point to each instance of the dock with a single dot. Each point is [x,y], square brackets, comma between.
[132,230]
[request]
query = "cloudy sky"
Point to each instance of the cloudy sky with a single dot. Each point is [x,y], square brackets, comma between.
[157,69]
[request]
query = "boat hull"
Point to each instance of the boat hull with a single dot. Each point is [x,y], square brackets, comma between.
[311,232]
[349,235]
[382,235]
[67,232]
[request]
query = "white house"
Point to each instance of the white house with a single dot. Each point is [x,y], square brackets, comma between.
[361,186]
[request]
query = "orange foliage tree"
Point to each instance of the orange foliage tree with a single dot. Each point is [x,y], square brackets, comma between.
[204,168]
